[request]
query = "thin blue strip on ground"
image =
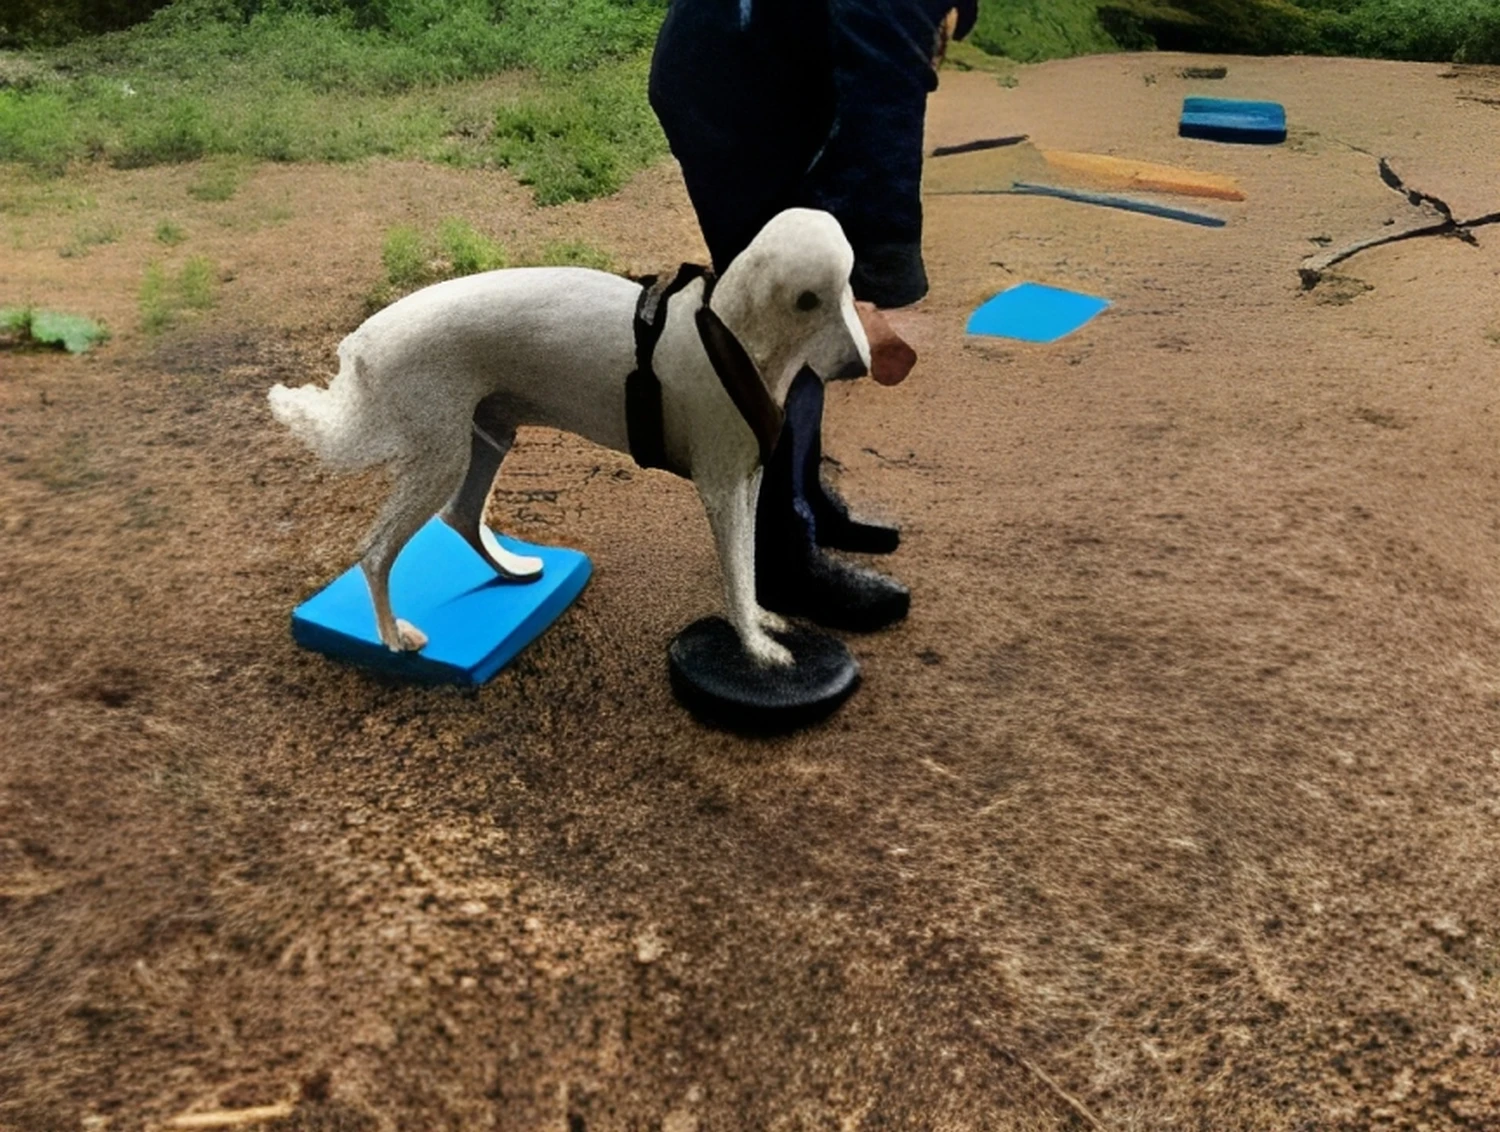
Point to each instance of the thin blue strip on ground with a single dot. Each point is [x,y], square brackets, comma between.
[1127,204]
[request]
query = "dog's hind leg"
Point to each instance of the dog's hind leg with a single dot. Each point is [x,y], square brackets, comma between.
[421,485]
[490,441]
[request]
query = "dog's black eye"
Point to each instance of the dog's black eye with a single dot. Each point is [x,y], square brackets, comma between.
[807,301]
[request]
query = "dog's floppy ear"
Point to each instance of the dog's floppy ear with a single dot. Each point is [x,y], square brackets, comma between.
[741,380]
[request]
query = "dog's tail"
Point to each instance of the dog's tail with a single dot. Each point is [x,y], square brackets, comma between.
[337,423]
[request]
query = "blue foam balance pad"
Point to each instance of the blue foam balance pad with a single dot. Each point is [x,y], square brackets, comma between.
[475,621]
[1233,120]
[1035,313]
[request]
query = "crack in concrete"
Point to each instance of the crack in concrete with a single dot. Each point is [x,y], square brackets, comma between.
[1313,267]
[1413,196]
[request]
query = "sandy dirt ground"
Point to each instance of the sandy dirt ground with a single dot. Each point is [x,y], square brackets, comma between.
[1174,805]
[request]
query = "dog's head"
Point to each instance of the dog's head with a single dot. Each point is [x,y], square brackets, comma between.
[788,300]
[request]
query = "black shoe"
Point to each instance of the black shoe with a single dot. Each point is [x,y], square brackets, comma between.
[835,528]
[829,592]
[795,473]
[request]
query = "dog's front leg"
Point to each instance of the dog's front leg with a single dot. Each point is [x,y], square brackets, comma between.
[770,622]
[731,514]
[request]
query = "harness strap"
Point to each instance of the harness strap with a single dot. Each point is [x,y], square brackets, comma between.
[732,363]
[643,417]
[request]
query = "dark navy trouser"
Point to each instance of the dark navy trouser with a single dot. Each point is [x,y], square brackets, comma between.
[773,104]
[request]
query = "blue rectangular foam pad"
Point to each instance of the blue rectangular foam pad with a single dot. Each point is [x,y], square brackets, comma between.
[1035,313]
[475,621]
[1233,120]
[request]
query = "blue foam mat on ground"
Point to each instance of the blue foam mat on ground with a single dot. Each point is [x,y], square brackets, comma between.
[475,622]
[1033,312]
[1233,120]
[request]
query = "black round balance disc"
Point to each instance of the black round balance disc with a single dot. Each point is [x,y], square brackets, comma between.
[719,683]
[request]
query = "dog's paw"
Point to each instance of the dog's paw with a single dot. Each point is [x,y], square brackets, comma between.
[768,653]
[409,638]
[772,622]
[512,567]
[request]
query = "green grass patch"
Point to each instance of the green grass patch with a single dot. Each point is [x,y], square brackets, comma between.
[155,304]
[218,180]
[581,137]
[294,80]
[1031,30]
[281,211]
[40,128]
[88,236]
[405,257]
[30,327]
[163,297]
[170,233]
[1439,30]
[379,47]
[966,57]
[468,251]
[412,259]
[27,192]
[570,253]
[1436,30]
[340,80]
[197,283]
[1463,31]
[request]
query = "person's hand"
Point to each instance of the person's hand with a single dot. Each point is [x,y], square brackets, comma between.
[944,34]
[891,358]
[958,23]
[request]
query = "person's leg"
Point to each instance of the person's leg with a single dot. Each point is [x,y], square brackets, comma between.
[746,106]
[869,175]
[792,575]
[744,91]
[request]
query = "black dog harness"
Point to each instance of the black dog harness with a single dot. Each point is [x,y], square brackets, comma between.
[731,362]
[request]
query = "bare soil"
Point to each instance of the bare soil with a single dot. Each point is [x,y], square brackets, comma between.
[1174,805]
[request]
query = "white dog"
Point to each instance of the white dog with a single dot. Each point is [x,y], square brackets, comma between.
[555,346]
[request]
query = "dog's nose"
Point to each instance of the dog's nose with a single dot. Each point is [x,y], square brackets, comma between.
[854,367]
